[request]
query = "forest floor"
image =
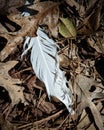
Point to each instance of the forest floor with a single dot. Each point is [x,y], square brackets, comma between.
[77,27]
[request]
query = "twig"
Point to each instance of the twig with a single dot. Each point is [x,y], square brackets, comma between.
[42,120]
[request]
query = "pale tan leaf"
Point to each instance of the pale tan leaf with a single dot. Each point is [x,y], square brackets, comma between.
[29,26]
[96,95]
[85,123]
[16,38]
[84,83]
[10,84]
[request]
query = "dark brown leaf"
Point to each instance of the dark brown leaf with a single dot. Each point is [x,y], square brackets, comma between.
[92,20]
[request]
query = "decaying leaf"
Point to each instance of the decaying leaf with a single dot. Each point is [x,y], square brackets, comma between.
[11,46]
[92,19]
[51,13]
[16,38]
[10,84]
[66,28]
[80,8]
[64,61]
[97,95]
[9,6]
[29,26]
[6,125]
[84,83]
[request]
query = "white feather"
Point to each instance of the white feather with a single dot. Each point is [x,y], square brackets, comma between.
[45,63]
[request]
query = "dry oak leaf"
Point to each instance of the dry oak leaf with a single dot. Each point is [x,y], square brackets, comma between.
[29,26]
[83,84]
[10,84]
[49,15]
[9,6]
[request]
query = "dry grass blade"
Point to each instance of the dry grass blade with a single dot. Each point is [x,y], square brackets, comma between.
[42,120]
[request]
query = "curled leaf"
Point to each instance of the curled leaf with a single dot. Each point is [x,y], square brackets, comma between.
[66,28]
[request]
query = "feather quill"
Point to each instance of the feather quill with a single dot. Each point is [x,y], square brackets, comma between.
[45,63]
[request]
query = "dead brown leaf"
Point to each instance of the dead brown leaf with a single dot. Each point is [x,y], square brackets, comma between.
[6,125]
[97,96]
[64,61]
[84,83]
[92,20]
[10,6]
[51,12]
[29,26]
[79,8]
[10,84]
[16,38]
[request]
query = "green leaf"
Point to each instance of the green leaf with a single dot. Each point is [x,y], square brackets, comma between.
[66,28]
